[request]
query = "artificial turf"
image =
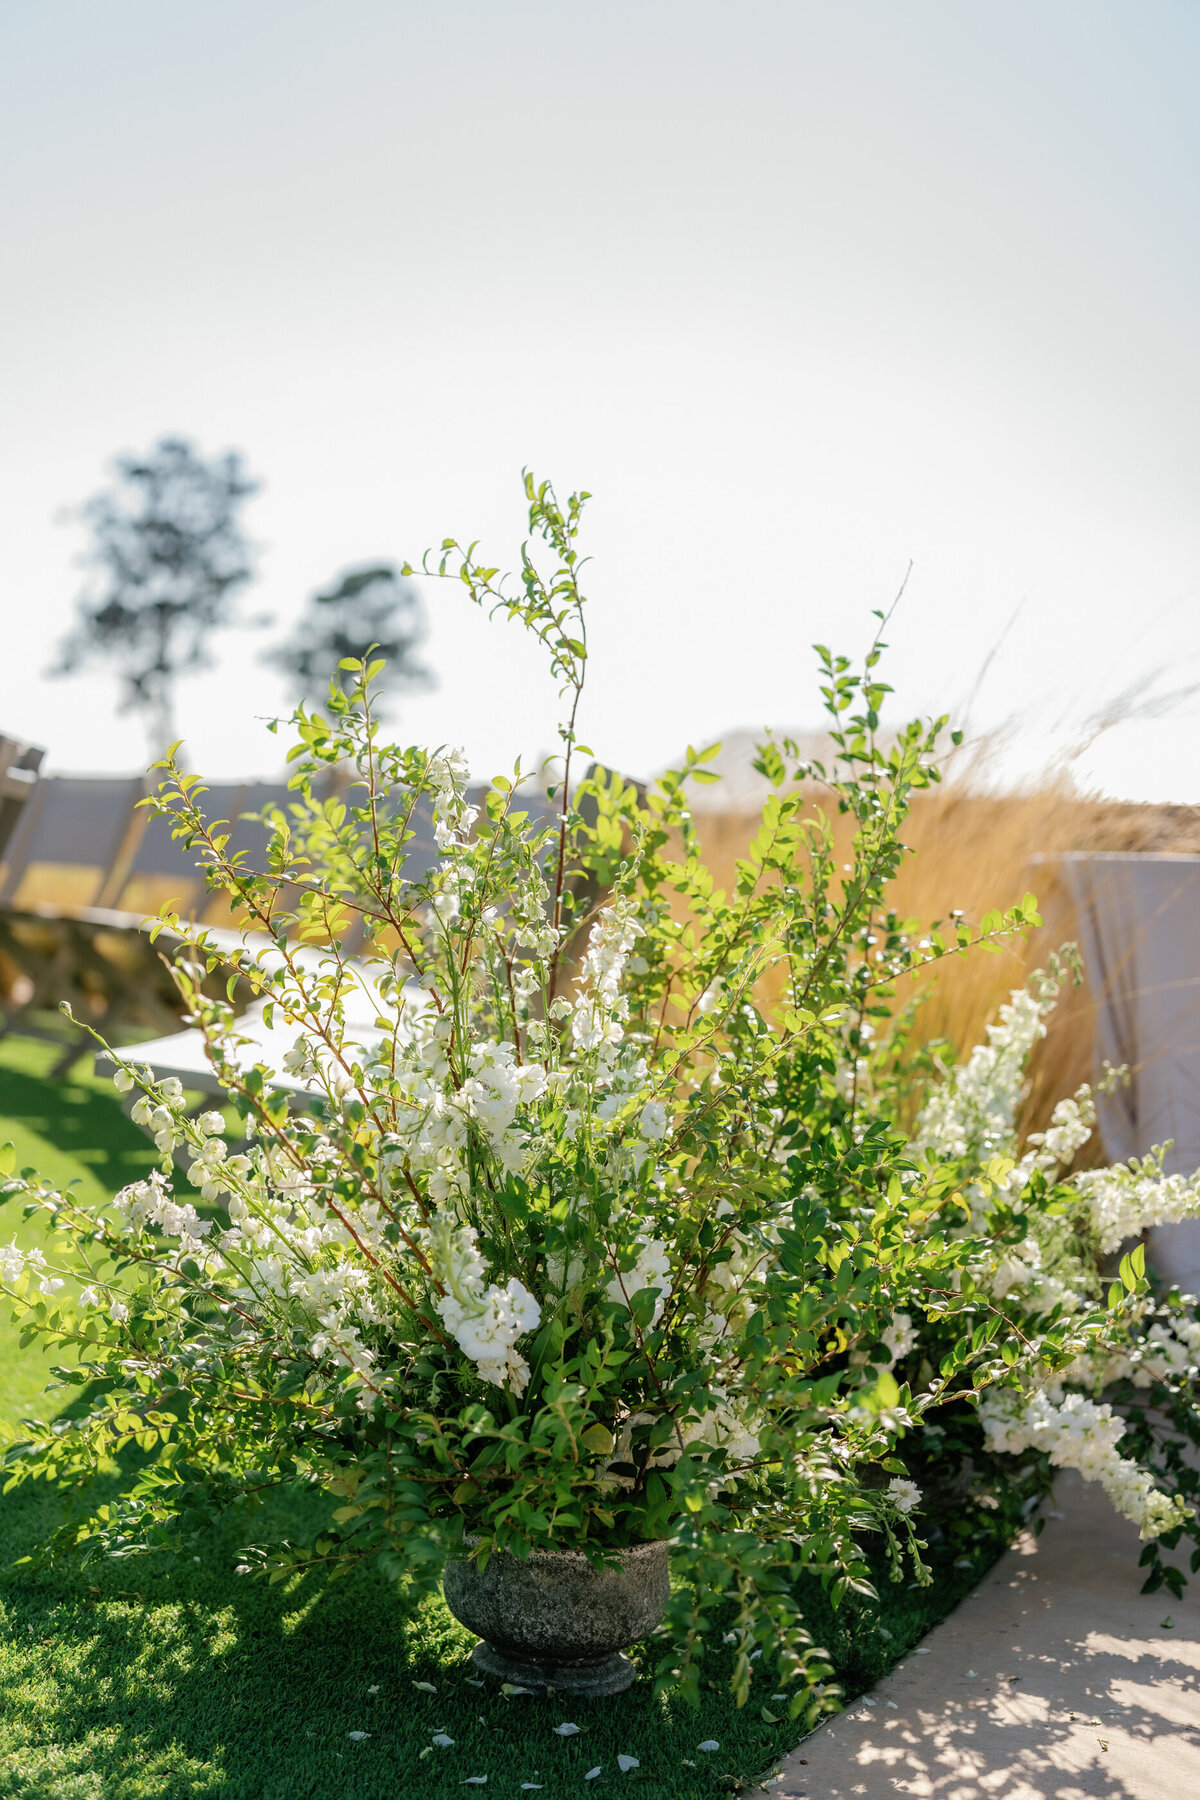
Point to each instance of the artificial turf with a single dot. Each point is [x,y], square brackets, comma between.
[149,1680]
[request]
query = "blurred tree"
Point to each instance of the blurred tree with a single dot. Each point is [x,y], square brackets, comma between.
[367,606]
[168,541]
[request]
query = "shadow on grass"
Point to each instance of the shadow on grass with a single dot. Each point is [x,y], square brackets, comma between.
[79,1119]
[138,1679]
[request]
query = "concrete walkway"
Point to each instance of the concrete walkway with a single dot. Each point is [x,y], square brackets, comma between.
[1054,1680]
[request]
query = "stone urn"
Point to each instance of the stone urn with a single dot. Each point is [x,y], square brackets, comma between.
[555,1621]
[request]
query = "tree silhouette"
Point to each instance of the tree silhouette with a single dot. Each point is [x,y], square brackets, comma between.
[167,540]
[371,606]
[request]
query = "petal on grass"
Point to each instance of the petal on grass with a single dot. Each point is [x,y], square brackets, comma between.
[625,1763]
[441,1740]
[568,1730]
[422,1687]
[509,1688]
[709,1744]
[592,1773]
[472,1781]
[357,1736]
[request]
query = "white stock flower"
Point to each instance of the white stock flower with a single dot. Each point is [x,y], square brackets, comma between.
[974,1111]
[484,1320]
[600,1007]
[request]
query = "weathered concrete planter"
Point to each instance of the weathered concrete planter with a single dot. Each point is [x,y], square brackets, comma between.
[554,1621]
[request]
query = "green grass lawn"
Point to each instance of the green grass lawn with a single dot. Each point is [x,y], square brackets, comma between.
[140,1679]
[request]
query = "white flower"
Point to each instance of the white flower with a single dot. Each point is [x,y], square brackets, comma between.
[118,1312]
[50,1284]
[1078,1433]
[12,1261]
[122,1081]
[900,1336]
[600,1006]
[974,1111]
[653,1121]
[1130,1197]
[712,996]
[905,1495]
[651,1270]
[89,1297]
[485,1321]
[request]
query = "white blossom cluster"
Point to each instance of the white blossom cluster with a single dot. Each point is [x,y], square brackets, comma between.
[484,1318]
[1078,1433]
[1128,1198]
[651,1269]
[974,1112]
[601,1008]
[162,1117]
[148,1203]
[433,1137]
[14,1262]
[452,817]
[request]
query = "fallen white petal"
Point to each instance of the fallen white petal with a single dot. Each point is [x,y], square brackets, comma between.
[709,1744]
[472,1781]
[893,1706]
[422,1687]
[471,1683]
[358,1736]
[441,1740]
[568,1730]
[921,1650]
[510,1688]
[625,1763]
[373,1690]
[592,1773]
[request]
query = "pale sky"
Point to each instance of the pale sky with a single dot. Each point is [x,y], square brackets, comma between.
[801,292]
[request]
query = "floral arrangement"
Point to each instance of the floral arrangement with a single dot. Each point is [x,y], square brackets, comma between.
[580,1213]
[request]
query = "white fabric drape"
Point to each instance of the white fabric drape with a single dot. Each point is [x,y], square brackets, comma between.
[1139,930]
